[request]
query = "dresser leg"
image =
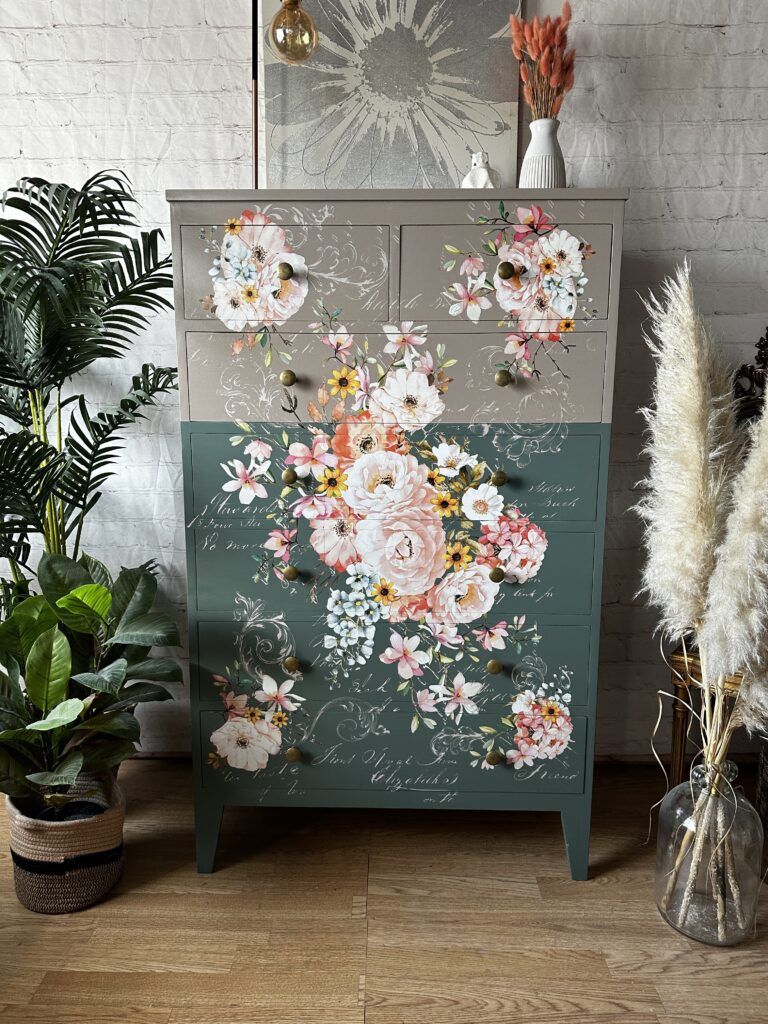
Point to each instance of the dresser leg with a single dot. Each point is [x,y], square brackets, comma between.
[207,825]
[576,824]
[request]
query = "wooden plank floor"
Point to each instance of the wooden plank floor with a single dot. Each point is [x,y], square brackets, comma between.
[346,917]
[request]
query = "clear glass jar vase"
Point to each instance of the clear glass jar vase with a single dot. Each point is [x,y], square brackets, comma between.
[708,858]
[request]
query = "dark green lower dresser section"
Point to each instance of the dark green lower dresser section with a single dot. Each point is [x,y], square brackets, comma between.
[359,734]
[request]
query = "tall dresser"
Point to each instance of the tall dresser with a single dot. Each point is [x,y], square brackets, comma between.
[395,414]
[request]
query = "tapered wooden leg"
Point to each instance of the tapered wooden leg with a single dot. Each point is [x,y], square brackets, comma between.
[680,718]
[207,825]
[576,824]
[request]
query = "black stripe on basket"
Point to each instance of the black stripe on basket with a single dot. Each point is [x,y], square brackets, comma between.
[61,867]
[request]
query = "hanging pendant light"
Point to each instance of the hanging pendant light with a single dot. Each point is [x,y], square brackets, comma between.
[292,33]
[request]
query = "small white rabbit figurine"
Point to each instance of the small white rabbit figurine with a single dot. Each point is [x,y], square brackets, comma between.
[480,174]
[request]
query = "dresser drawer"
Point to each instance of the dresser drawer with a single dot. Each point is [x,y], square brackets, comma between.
[232,562]
[348,745]
[240,652]
[431,263]
[229,272]
[237,378]
[551,471]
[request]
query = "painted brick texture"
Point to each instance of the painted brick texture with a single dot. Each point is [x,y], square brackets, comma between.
[670,100]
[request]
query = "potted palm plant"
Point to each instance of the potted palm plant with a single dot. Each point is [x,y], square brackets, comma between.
[78,281]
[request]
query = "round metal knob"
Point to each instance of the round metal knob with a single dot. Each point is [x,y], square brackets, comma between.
[293,754]
[494,757]
[499,478]
[494,666]
[291,664]
[291,573]
[288,378]
[503,378]
[290,476]
[285,271]
[496,575]
[505,270]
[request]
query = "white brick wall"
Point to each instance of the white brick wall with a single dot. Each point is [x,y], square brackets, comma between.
[671,100]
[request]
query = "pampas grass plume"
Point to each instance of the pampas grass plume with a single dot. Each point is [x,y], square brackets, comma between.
[691,432]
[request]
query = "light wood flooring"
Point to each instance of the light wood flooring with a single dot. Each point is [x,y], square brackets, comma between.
[362,917]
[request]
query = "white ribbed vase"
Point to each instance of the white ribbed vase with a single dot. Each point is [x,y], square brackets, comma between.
[543,164]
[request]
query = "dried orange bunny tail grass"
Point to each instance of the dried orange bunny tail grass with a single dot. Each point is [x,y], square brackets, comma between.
[546,65]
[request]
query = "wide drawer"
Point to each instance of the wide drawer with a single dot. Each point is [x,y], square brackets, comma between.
[551,471]
[239,378]
[231,562]
[348,745]
[233,656]
[230,270]
[441,264]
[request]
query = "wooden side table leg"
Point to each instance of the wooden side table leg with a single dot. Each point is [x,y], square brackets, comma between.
[680,718]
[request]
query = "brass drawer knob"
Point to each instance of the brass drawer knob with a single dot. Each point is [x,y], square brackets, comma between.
[499,478]
[290,573]
[505,270]
[292,664]
[503,378]
[293,754]
[494,757]
[290,476]
[284,271]
[494,666]
[496,575]
[288,378]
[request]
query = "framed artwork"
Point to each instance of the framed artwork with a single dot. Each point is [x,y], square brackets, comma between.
[398,94]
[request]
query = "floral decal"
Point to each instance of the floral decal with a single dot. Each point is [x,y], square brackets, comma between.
[413,542]
[258,281]
[534,271]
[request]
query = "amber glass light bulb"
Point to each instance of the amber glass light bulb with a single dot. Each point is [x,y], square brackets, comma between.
[292,33]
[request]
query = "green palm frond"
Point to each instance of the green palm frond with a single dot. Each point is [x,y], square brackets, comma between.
[29,471]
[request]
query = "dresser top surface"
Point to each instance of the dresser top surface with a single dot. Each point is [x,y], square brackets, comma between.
[389,195]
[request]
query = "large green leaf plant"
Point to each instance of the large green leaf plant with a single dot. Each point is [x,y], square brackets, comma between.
[78,282]
[76,661]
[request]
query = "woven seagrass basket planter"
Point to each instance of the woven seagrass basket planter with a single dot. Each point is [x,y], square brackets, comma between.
[62,866]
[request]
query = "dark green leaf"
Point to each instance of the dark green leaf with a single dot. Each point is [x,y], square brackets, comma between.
[64,774]
[161,670]
[107,680]
[140,693]
[153,629]
[48,669]
[63,714]
[96,570]
[133,593]
[122,724]
[86,608]
[12,780]
[59,575]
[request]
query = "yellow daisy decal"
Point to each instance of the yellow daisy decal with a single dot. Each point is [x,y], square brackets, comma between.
[384,592]
[279,718]
[253,715]
[550,711]
[566,325]
[234,226]
[457,556]
[445,504]
[332,483]
[250,293]
[547,265]
[344,382]
[435,477]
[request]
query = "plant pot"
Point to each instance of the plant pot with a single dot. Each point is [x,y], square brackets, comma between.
[64,865]
[543,163]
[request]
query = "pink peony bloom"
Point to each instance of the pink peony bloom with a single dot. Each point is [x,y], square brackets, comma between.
[542,312]
[264,240]
[406,548]
[492,637]
[402,652]
[463,596]
[315,460]
[387,482]
[514,292]
[405,608]
[279,542]
[471,299]
[334,538]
